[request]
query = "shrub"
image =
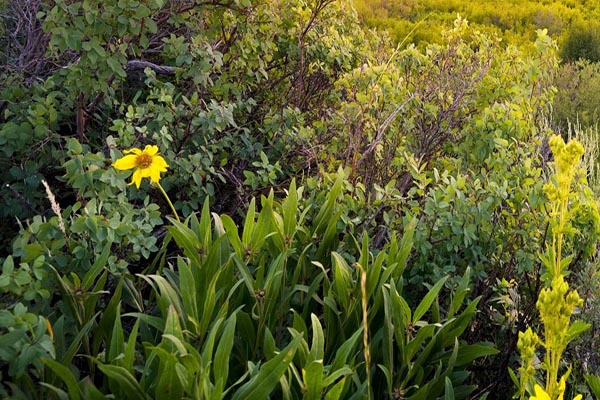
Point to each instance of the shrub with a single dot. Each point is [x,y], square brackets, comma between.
[582,42]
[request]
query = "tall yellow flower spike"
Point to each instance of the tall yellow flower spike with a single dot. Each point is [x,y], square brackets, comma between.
[147,164]
[556,302]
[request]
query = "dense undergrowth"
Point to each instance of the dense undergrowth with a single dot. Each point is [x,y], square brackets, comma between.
[357,220]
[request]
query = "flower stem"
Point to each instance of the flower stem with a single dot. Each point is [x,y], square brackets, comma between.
[168,201]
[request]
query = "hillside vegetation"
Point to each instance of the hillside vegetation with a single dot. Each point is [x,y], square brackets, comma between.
[572,24]
[247,199]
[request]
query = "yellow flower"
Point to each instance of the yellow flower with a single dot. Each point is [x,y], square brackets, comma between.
[540,394]
[147,162]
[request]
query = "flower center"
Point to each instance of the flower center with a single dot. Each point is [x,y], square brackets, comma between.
[143,161]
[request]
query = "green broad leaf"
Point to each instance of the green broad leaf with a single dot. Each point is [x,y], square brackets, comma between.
[406,245]
[8,266]
[336,391]
[388,377]
[209,343]
[205,228]
[323,218]
[172,326]
[116,346]
[459,295]
[171,379]
[90,303]
[129,358]
[186,239]
[175,345]
[454,328]
[96,268]
[388,342]
[299,329]
[208,306]
[576,329]
[346,350]
[269,346]
[187,286]
[373,274]
[60,394]
[124,379]
[342,279]
[77,340]
[313,380]
[448,389]
[513,377]
[221,361]
[565,261]
[425,304]
[249,223]
[166,295]
[65,375]
[401,313]
[233,236]
[335,375]
[593,382]
[468,353]
[546,260]
[155,322]
[264,225]
[289,210]
[317,348]
[90,392]
[263,383]
[330,240]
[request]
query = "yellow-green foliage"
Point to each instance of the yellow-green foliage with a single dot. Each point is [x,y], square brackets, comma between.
[556,303]
[515,21]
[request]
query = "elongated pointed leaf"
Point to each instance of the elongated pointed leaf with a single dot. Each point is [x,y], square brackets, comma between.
[335,393]
[459,295]
[448,389]
[124,379]
[313,380]
[264,382]
[129,358]
[66,376]
[117,339]
[221,362]
[289,210]
[425,304]
[576,329]
[233,235]
[322,219]
[96,268]
[593,382]
[342,279]
[187,285]
[249,223]
[317,348]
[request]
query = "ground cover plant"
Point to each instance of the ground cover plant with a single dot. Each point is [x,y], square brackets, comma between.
[254,199]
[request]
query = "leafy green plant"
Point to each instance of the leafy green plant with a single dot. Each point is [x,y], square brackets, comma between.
[236,314]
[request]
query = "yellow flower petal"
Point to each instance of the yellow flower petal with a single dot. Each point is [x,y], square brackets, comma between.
[126,162]
[151,149]
[154,174]
[137,178]
[578,397]
[135,151]
[160,163]
[540,394]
